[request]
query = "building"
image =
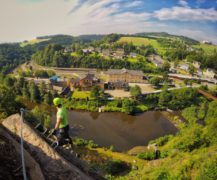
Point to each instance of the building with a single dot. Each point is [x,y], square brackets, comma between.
[184,67]
[199,73]
[91,49]
[133,55]
[209,73]
[84,83]
[119,54]
[206,42]
[106,52]
[124,75]
[196,64]
[156,60]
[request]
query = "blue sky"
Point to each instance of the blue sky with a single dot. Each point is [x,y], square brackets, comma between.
[27,19]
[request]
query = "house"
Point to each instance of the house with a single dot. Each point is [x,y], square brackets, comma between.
[199,72]
[84,83]
[124,75]
[119,54]
[156,60]
[196,64]
[68,49]
[184,67]
[85,51]
[106,52]
[133,55]
[98,49]
[173,70]
[206,42]
[91,49]
[209,73]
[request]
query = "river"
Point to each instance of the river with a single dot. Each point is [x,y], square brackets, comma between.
[118,129]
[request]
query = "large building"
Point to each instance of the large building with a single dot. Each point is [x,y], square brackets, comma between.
[124,75]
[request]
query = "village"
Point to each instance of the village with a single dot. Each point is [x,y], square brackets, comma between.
[116,83]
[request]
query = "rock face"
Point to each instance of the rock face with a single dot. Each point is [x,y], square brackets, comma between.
[10,158]
[53,166]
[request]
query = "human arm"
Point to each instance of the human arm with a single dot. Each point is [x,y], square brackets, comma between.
[58,123]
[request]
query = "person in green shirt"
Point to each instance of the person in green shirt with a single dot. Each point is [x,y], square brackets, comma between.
[62,124]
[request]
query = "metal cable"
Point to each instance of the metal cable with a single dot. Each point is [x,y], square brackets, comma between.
[21,143]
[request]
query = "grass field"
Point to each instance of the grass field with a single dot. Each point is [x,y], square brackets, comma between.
[206,47]
[33,41]
[81,94]
[137,41]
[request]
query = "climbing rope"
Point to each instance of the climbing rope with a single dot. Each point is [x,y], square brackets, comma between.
[21,139]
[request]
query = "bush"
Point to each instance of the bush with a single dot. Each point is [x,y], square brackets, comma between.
[148,155]
[190,138]
[208,171]
[162,140]
[85,143]
[115,167]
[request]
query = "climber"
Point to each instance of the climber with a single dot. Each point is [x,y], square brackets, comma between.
[62,125]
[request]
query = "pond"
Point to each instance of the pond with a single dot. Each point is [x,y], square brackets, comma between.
[118,129]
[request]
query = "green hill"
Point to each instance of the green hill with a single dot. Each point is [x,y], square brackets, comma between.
[208,49]
[139,41]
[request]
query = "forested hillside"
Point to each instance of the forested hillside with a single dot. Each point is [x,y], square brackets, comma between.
[11,55]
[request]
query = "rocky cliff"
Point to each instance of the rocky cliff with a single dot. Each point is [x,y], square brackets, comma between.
[42,161]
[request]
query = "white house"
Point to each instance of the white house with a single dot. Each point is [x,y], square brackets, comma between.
[199,72]
[196,64]
[156,60]
[209,73]
[184,67]
[133,55]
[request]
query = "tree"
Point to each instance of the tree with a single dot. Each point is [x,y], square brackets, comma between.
[34,92]
[48,98]
[42,88]
[164,97]
[127,106]
[94,93]
[9,81]
[192,69]
[155,81]
[135,91]
[8,104]
[166,66]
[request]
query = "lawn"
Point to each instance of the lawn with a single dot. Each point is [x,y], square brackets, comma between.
[206,47]
[33,41]
[137,41]
[81,94]
[74,54]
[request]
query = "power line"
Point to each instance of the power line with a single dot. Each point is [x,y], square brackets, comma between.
[21,138]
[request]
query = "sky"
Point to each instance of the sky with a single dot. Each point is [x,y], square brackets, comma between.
[26,19]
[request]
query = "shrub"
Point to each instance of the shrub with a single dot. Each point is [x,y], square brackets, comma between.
[148,155]
[115,167]
[208,171]
[80,142]
[161,141]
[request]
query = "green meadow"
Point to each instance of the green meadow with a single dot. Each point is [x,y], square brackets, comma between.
[138,41]
[206,47]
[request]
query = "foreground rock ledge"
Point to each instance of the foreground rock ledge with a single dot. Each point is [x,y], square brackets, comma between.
[53,166]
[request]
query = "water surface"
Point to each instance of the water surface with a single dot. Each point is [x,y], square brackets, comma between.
[120,130]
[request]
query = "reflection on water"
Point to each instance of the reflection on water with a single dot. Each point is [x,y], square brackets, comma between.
[118,129]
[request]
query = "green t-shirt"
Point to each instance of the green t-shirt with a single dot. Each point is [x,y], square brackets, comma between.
[63,115]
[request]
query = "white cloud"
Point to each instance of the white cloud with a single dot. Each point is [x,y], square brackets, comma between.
[26,21]
[183,3]
[134,4]
[186,14]
[197,34]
